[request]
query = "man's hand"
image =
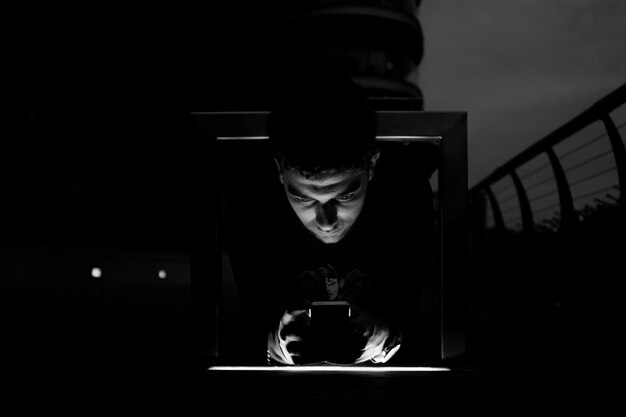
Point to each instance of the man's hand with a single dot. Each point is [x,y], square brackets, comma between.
[365,338]
[368,335]
[290,343]
[380,343]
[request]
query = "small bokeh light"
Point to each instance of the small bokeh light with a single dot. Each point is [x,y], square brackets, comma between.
[96,272]
[162,274]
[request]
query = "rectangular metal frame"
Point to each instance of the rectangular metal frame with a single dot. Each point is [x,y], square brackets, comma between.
[449,131]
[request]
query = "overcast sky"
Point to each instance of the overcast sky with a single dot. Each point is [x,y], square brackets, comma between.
[520,68]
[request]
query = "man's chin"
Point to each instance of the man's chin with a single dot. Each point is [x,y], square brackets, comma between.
[330,238]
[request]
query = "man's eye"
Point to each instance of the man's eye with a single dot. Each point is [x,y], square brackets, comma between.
[345,197]
[302,200]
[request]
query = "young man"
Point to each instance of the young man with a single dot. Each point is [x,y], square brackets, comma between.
[326,232]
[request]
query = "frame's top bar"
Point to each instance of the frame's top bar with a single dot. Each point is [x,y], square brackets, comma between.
[391,125]
[379,138]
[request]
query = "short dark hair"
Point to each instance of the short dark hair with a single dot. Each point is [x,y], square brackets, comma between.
[324,124]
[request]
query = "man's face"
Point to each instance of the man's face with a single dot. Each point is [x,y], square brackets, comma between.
[327,207]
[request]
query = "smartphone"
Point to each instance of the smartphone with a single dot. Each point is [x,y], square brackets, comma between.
[329,314]
[329,323]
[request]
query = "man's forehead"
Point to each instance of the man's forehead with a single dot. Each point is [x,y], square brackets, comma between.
[325,182]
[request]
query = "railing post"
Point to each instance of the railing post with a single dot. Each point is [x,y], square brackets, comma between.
[495,207]
[528,224]
[569,218]
[620,154]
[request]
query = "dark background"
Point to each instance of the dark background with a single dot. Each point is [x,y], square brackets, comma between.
[95,165]
[96,171]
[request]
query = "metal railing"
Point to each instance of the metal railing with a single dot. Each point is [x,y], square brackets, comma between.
[556,182]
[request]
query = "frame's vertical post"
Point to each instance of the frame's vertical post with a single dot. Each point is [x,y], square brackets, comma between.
[205,256]
[454,245]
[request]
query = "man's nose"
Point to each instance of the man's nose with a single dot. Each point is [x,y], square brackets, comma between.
[326,216]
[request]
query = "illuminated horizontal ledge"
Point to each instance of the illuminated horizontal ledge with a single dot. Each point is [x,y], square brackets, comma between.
[382,138]
[330,368]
